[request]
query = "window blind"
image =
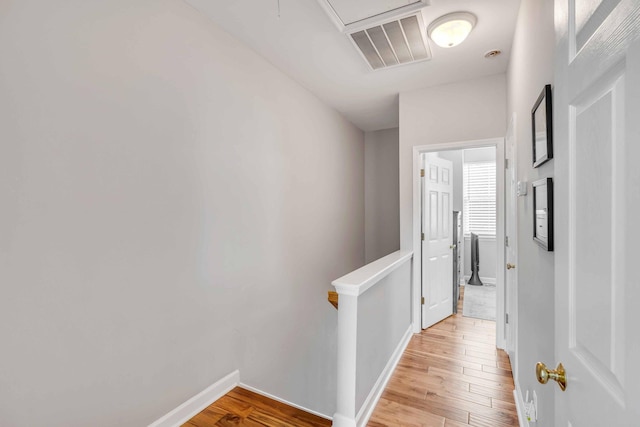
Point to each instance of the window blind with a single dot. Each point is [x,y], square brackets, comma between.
[479,198]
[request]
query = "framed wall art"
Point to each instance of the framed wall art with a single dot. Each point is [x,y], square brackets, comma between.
[543,213]
[542,128]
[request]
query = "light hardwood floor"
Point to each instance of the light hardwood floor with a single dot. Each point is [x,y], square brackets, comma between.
[450,375]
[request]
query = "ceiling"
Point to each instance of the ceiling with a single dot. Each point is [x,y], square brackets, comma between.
[301,40]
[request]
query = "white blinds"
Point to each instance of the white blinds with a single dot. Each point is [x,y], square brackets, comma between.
[479,196]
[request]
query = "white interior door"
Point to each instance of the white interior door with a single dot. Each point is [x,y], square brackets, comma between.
[511,242]
[437,249]
[597,184]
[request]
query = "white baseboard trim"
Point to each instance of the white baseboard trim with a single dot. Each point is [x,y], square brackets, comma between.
[276,398]
[517,395]
[362,418]
[197,403]
[486,280]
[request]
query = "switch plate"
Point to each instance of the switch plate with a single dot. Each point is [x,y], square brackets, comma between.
[522,188]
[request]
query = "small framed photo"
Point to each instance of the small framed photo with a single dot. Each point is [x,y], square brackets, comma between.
[542,127]
[543,213]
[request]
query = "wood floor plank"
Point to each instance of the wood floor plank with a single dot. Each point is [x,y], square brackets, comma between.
[482,421]
[505,395]
[452,423]
[395,414]
[494,370]
[489,376]
[497,403]
[447,409]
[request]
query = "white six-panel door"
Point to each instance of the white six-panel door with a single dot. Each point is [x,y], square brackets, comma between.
[437,258]
[597,129]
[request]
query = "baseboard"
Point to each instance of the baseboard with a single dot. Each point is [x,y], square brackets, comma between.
[517,395]
[374,396]
[197,403]
[486,280]
[276,398]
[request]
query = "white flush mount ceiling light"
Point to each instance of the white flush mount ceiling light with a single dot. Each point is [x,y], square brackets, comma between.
[452,29]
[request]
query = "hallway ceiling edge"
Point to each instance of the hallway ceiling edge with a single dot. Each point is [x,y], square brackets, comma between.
[299,38]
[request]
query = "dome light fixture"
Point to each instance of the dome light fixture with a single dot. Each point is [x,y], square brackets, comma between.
[452,29]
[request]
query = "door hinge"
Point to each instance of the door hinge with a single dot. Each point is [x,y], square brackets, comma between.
[506,318]
[422,300]
[421,172]
[506,240]
[506,163]
[422,237]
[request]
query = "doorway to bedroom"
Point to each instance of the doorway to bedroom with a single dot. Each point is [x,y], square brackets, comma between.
[458,232]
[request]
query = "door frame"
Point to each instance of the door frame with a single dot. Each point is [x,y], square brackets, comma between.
[416,280]
[511,303]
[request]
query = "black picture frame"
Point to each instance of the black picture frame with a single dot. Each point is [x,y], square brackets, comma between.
[542,128]
[543,213]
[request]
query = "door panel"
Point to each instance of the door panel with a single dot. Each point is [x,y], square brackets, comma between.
[589,15]
[437,262]
[593,287]
[597,193]
[446,209]
[433,216]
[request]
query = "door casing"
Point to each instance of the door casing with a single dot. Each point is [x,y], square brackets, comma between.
[416,282]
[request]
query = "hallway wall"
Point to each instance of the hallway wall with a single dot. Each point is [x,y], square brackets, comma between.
[166,216]
[381,199]
[530,68]
[461,111]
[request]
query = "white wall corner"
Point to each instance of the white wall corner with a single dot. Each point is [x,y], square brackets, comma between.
[517,395]
[286,402]
[374,395]
[340,420]
[197,403]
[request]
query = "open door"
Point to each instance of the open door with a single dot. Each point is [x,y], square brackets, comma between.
[437,240]
[597,200]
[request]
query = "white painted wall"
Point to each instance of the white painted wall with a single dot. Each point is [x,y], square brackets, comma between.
[462,111]
[531,67]
[381,199]
[173,208]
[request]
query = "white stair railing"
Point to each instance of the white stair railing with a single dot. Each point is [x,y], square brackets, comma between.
[374,327]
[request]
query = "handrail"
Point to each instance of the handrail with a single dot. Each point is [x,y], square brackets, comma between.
[332,297]
[359,281]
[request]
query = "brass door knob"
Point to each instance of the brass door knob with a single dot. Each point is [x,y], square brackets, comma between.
[545,374]
[452,246]
[510,266]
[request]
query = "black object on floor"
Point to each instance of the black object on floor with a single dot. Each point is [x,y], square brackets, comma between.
[475,262]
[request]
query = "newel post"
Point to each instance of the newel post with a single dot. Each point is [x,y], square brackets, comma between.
[345,415]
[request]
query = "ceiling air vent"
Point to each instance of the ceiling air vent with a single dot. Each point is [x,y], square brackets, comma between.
[397,42]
